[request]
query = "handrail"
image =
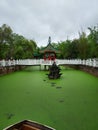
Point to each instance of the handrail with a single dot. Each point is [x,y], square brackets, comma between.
[27,62]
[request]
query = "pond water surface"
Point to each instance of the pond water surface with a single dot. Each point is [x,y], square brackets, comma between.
[68,103]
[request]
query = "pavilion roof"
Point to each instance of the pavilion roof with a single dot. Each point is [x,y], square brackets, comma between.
[49,48]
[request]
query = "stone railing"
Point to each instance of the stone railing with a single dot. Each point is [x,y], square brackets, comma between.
[27,62]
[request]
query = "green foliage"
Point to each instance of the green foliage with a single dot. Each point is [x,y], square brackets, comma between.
[24,48]
[5,34]
[5,41]
[93,41]
[18,47]
[74,49]
[15,46]
[4,51]
[83,48]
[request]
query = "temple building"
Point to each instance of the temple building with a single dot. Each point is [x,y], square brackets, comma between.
[49,52]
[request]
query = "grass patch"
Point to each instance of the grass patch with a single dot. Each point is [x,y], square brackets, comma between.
[29,95]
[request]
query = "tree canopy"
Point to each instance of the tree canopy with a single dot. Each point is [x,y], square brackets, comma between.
[86,46]
[15,46]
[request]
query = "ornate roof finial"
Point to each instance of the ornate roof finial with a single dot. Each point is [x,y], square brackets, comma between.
[49,40]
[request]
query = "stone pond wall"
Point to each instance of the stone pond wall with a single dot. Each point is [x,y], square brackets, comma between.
[91,70]
[10,69]
[88,69]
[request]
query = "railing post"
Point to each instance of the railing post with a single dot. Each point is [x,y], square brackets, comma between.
[16,62]
[9,62]
[90,62]
[94,63]
[3,63]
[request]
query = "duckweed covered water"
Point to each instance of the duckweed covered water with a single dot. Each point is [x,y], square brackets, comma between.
[68,103]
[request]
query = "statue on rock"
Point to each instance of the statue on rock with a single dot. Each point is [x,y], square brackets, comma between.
[54,72]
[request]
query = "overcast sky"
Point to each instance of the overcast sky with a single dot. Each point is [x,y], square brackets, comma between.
[39,19]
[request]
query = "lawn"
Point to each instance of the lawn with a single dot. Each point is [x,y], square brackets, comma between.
[68,103]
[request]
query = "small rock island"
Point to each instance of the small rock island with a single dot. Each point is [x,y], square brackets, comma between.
[54,71]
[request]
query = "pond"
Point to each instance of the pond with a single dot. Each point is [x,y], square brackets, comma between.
[68,103]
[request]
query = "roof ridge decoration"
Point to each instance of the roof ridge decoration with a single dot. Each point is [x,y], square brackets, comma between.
[49,47]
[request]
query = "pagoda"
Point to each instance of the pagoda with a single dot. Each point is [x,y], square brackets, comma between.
[49,52]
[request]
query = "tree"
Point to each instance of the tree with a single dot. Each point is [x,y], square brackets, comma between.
[73,49]
[93,42]
[83,46]
[5,34]
[5,41]
[15,46]
[23,48]
[64,47]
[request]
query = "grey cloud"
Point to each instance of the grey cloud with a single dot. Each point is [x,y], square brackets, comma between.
[39,19]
